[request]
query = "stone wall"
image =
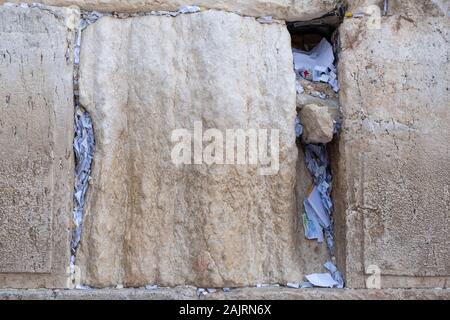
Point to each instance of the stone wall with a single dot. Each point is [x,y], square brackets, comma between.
[36,168]
[280,9]
[150,221]
[393,155]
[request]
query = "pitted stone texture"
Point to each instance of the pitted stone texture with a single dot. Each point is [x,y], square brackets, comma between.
[397,7]
[279,9]
[36,170]
[394,170]
[149,221]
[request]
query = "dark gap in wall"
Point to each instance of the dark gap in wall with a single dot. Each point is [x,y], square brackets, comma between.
[305,36]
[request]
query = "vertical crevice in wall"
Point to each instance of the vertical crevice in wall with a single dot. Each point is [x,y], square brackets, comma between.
[315,45]
[84,147]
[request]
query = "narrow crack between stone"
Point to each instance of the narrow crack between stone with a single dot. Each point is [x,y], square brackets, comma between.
[315,44]
[84,147]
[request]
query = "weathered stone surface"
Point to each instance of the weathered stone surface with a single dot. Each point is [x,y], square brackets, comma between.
[317,124]
[36,126]
[150,221]
[331,104]
[279,9]
[393,171]
[189,293]
[410,7]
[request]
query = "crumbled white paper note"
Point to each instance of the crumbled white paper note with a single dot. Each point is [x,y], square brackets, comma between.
[322,280]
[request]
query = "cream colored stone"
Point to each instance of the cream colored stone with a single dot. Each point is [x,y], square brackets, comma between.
[36,136]
[393,171]
[331,104]
[317,124]
[397,7]
[279,9]
[149,221]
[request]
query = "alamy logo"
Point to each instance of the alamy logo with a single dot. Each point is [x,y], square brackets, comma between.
[259,147]
[374,280]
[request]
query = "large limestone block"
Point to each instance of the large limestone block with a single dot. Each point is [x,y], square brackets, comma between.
[151,221]
[279,9]
[393,172]
[36,135]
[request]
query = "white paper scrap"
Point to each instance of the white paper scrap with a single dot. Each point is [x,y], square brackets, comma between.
[151,287]
[295,285]
[322,280]
[265,20]
[189,9]
[315,201]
